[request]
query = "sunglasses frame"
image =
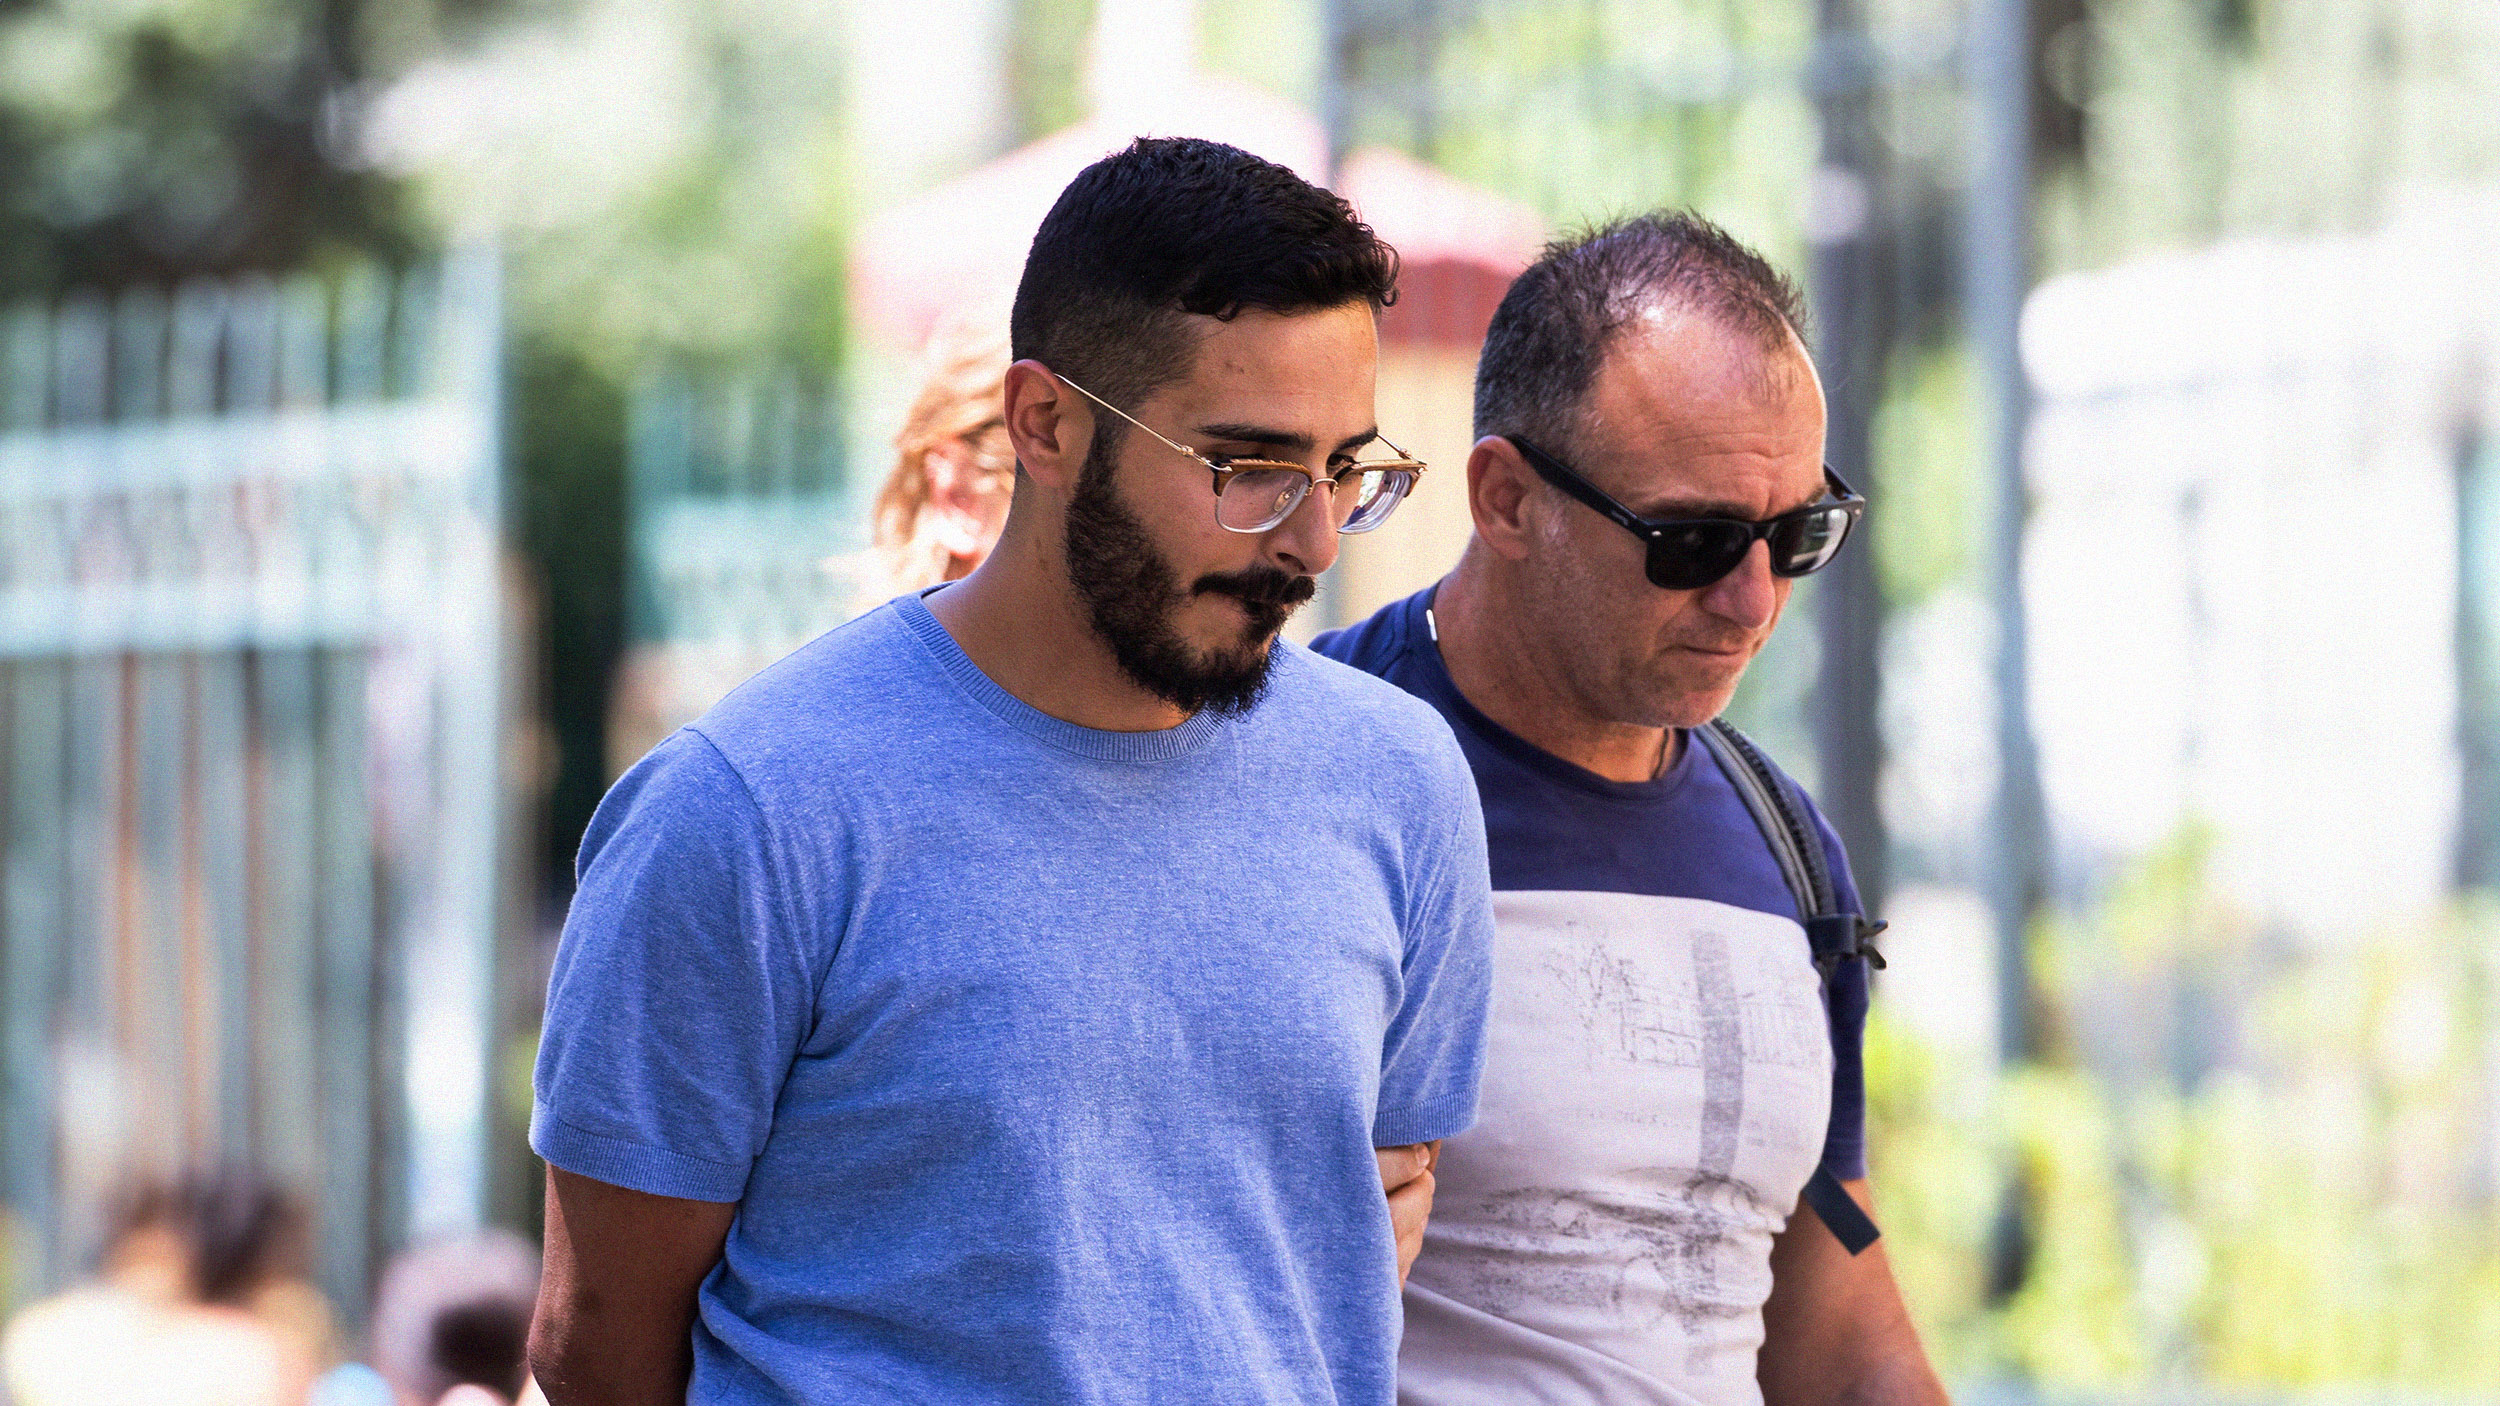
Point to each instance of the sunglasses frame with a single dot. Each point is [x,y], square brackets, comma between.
[1653,531]
[1225,468]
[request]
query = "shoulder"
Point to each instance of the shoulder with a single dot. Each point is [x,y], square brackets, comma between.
[1374,643]
[1835,853]
[1399,773]
[824,689]
[1401,727]
[823,717]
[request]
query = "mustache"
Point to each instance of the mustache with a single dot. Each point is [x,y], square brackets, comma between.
[1258,585]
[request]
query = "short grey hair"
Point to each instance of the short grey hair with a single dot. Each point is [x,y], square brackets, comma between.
[1554,327]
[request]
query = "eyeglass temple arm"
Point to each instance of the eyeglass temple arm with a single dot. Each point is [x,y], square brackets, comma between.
[1107,405]
[1220,469]
[1552,471]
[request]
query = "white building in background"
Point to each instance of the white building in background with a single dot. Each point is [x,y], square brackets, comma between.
[2247,466]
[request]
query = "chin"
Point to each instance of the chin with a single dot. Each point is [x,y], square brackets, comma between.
[1235,647]
[1686,702]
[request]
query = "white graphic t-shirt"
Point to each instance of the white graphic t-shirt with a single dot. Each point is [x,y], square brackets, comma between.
[1660,1081]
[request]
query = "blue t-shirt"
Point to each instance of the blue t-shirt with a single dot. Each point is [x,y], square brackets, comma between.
[1045,1064]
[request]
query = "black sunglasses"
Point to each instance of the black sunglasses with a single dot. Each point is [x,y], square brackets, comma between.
[1686,554]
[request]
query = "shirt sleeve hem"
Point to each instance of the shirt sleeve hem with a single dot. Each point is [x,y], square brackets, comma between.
[632,1165]
[1423,1122]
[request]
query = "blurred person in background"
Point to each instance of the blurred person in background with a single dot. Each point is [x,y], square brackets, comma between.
[1045,988]
[1667,1072]
[201,1300]
[942,506]
[451,1321]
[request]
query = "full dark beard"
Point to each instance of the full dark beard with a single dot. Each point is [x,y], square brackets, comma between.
[1131,594]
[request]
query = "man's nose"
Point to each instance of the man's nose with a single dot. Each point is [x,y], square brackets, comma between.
[1306,541]
[1747,596]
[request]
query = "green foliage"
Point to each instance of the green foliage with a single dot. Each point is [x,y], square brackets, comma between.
[2206,117]
[1046,64]
[2284,1182]
[1930,464]
[148,140]
[672,182]
[1273,43]
[568,429]
[1589,110]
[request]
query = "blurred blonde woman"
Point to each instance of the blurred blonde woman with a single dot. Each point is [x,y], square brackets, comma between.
[201,1300]
[941,508]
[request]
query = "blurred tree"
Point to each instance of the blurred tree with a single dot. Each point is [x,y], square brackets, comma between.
[2203,117]
[1046,64]
[671,181]
[148,141]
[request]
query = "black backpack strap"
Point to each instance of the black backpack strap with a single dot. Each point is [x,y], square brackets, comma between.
[1834,936]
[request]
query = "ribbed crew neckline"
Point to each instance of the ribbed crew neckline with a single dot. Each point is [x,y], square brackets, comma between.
[1159,746]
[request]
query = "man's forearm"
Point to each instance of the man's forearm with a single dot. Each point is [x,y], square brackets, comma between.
[1836,1331]
[614,1372]
[616,1303]
[1902,1379]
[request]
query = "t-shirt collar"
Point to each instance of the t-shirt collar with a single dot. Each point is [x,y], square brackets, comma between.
[958,667]
[1421,641]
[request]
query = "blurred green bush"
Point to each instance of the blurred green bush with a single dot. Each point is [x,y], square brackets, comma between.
[2246,1161]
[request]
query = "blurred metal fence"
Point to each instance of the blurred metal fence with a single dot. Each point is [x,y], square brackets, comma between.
[747,538]
[250,637]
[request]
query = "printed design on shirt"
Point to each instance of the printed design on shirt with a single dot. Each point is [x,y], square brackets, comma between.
[1633,1011]
[1656,1090]
[1645,1262]
[1636,1264]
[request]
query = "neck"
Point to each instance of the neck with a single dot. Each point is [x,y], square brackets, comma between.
[1503,667]
[1018,619]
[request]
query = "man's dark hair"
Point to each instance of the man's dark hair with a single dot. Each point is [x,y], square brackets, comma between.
[456,1311]
[1555,325]
[1174,226]
[238,1229]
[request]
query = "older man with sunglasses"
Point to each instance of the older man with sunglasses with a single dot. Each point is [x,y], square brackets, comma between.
[1665,1202]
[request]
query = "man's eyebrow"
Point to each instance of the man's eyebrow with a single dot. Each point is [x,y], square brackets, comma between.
[1290,440]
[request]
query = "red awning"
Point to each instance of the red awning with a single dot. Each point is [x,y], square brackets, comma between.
[963,244]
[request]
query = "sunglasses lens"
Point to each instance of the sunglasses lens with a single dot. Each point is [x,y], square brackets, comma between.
[1690,555]
[1366,499]
[1255,500]
[1805,542]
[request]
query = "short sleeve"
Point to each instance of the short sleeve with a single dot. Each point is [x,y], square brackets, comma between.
[1433,1057]
[681,991]
[1846,995]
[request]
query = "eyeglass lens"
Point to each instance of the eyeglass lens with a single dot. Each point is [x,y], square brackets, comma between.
[1687,556]
[1255,499]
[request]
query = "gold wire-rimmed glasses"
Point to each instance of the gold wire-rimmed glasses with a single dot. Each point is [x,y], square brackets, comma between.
[1254,495]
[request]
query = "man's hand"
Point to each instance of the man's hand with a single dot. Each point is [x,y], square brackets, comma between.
[615,1320]
[1406,1176]
[1835,1329]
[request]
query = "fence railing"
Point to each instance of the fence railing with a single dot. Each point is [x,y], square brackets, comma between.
[748,537]
[250,638]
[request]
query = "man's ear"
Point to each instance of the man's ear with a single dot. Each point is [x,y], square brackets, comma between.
[1050,429]
[1500,493]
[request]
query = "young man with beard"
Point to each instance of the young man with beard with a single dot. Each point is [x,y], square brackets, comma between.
[1667,1072]
[1025,992]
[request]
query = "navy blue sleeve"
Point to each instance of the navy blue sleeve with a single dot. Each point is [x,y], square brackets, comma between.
[1844,1139]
